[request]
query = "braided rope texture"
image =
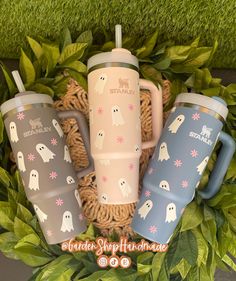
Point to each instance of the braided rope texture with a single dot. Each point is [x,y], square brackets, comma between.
[108,218]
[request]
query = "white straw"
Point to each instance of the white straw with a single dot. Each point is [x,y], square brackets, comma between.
[18,81]
[118,33]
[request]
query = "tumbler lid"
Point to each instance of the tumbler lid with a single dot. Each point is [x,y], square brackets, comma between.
[215,103]
[117,55]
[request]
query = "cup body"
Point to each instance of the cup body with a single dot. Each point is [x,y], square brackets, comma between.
[175,170]
[115,131]
[45,165]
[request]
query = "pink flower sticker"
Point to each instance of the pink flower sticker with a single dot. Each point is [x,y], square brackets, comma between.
[54,141]
[59,202]
[194,153]
[131,107]
[100,110]
[196,116]
[178,163]
[147,193]
[104,178]
[31,157]
[81,217]
[131,166]
[184,184]
[49,233]
[120,139]
[53,175]
[152,229]
[20,116]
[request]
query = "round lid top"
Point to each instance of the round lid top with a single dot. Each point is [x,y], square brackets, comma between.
[215,103]
[25,98]
[116,55]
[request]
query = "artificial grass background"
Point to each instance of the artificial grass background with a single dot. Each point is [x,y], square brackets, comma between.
[179,20]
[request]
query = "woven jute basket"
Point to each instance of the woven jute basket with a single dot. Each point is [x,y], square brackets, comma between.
[108,218]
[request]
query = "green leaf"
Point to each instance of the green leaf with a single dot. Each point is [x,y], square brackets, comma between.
[183,268]
[79,78]
[36,47]
[1,128]
[204,275]
[32,255]
[77,66]
[51,55]
[211,92]
[60,87]
[31,239]
[6,217]
[8,240]
[23,213]
[22,229]
[4,177]
[148,46]
[178,54]
[42,89]
[9,79]
[144,263]
[163,63]
[94,276]
[164,274]
[184,246]
[224,239]
[108,46]
[85,37]
[193,274]
[229,262]
[157,263]
[150,73]
[198,57]
[65,38]
[117,274]
[72,53]
[202,247]
[26,68]
[189,220]
[209,232]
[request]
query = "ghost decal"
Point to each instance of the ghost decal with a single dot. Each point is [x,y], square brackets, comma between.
[67,154]
[99,139]
[41,215]
[78,198]
[201,167]
[163,152]
[174,126]
[21,161]
[170,213]
[104,198]
[70,180]
[164,185]
[100,84]
[34,180]
[13,132]
[117,118]
[124,187]
[105,162]
[58,128]
[136,148]
[67,222]
[145,209]
[45,153]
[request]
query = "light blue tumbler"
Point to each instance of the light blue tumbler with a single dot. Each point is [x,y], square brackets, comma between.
[180,158]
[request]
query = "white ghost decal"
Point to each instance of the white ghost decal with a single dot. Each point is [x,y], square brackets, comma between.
[164,185]
[34,180]
[124,187]
[58,128]
[170,213]
[201,167]
[99,139]
[100,84]
[104,198]
[41,215]
[163,152]
[21,161]
[45,153]
[136,148]
[67,154]
[13,132]
[67,222]
[145,209]
[117,118]
[70,180]
[174,126]
[78,198]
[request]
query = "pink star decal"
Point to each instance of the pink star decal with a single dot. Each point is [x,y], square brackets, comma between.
[104,178]
[131,166]
[120,139]
[178,163]
[31,157]
[150,171]
[184,184]
[131,107]
[194,153]
[49,233]
[81,217]
[53,175]
[53,141]
[196,116]
[153,229]
[20,116]
[100,110]
[59,202]
[147,193]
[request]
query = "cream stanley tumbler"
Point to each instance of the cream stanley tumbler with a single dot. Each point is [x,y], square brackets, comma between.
[115,127]
[44,161]
[175,170]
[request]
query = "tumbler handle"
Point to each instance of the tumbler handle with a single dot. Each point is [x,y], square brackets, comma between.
[221,166]
[84,131]
[156,105]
